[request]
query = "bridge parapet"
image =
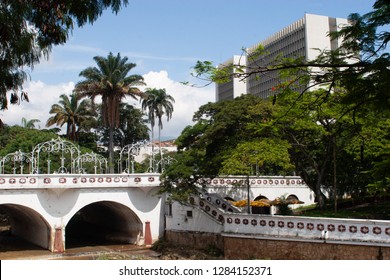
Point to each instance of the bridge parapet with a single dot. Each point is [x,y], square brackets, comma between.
[275,227]
[61,181]
[258,181]
[327,230]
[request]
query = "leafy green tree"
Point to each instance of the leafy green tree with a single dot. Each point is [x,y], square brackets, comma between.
[132,128]
[158,103]
[225,140]
[15,138]
[320,126]
[72,112]
[332,146]
[258,153]
[361,65]
[111,82]
[368,152]
[28,31]
[29,123]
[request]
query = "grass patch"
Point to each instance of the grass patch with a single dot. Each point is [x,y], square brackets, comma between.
[375,210]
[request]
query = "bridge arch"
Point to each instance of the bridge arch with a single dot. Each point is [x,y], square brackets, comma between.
[28,224]
[261,210]
[102,222]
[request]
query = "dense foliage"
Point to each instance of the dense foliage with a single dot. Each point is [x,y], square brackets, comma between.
[28,31]
[111,81]
[336,130]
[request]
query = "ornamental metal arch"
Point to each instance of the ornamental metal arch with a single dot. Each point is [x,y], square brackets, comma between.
[62,149]
[18,160]
[100,164]
[153,163]
[165,162]
[127,156]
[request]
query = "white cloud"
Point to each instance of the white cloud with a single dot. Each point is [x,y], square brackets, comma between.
[187,101]
[42,96]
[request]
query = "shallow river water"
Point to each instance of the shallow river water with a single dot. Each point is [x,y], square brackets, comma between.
[14,248]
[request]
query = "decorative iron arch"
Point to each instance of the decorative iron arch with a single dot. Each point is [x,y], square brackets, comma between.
[60,147]
[164,162]
[127,155]
[17,158]
[100,163]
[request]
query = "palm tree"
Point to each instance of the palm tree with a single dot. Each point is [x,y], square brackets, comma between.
[30,124]
[110,80]
[158,103]
[70,112]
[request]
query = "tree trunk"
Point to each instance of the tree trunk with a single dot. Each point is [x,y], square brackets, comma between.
[151,164]
[334,174]
[111,150]
[159,149]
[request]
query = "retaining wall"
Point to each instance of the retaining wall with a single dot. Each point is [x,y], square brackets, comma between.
[250,247]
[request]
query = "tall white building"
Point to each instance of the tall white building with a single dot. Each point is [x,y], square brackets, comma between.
[235,87]
[303,38]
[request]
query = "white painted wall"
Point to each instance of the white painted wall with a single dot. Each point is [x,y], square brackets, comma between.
[239,86]
[317,35]
[311,229]
[271,187]
[56,198]
[200,221]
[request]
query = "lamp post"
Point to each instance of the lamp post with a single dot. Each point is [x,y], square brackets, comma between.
[248,190]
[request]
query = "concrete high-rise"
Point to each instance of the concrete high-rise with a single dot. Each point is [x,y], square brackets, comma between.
[304,38]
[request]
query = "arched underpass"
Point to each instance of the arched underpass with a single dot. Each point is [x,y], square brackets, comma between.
[265,210]
[22,228]
[103,223]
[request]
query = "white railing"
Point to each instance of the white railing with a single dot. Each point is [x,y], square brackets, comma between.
[316,229]
[46,181]
[274,181]
[294,228]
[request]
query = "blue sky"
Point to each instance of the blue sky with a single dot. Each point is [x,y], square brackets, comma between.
[165,39]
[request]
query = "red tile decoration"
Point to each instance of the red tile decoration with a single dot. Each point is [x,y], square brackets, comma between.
[364,230]
[310,226]
[352,229]
[341,228]
[331,227]
[377,230]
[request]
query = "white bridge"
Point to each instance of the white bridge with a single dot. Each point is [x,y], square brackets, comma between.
[41,208]
[55,195]
[55,192]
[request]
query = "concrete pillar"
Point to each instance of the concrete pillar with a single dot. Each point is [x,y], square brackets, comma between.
[58,243]
[148,234]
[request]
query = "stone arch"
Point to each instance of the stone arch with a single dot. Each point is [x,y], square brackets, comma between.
[103,222]
[293,200]
[292,197]
[261,210]
[28,224]
[260,197]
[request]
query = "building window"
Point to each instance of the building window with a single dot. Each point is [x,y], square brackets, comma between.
[169,209]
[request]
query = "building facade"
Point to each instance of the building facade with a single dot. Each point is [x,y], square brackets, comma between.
[236,86]
[305,38]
